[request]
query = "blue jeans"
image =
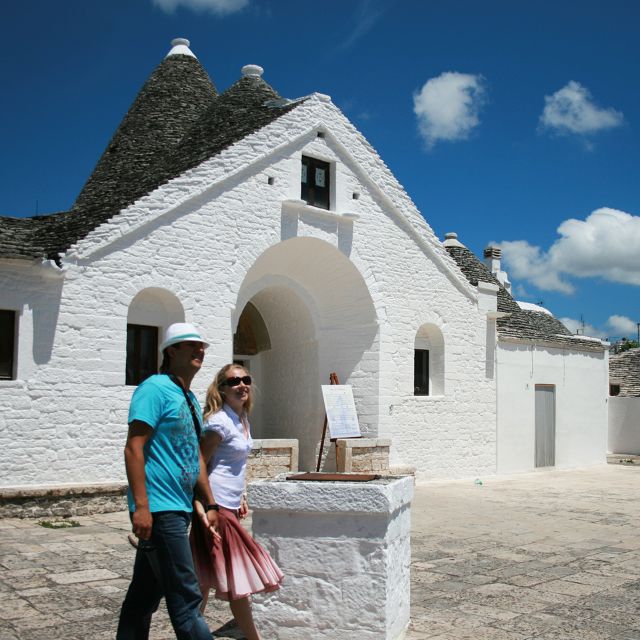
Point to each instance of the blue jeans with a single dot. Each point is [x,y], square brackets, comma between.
[164,567]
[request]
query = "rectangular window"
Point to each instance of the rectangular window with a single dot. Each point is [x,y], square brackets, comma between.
[421,372]
[315,182]
[7,344]
[142,353]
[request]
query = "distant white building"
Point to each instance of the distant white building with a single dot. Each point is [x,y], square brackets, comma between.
[275,227]
[624,402]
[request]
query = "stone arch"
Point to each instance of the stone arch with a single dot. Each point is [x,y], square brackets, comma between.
[429,338]
[155,306]
[319,318]
[251,336]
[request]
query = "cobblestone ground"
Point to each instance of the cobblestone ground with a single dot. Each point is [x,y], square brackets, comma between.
[550,555]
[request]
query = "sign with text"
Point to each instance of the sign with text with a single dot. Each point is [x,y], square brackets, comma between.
[341,411]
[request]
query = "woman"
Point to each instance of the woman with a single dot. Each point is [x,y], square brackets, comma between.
[235,563]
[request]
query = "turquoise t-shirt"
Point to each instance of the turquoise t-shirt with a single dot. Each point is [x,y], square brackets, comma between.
[171,459]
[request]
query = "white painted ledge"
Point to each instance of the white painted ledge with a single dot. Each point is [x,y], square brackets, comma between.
[300,207]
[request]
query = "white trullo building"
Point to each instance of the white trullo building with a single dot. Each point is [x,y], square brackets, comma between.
[277,229]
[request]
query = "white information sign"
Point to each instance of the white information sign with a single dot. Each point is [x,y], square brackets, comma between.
[341,411]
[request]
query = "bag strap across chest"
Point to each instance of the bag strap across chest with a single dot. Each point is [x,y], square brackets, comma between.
[192,409]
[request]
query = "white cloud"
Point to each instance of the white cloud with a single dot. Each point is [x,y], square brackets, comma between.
[615,327]
[622,326]
[218,7]
[525,261]
[571,110]
[604,245]
[584,329]
[447,107]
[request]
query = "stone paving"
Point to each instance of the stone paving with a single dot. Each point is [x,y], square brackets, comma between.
[553,555]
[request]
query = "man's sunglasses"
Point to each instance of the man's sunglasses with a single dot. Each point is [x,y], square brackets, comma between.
[236,380]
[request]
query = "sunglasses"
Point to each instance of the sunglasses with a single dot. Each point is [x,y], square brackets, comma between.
[236,380]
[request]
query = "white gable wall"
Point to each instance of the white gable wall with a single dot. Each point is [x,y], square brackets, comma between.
[363,289]
[580,381]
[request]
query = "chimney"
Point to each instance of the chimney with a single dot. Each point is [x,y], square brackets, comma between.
[492,256]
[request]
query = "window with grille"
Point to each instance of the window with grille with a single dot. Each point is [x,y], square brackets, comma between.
[142,353]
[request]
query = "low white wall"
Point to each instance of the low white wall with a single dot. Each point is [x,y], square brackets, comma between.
[580,380]
[624,425]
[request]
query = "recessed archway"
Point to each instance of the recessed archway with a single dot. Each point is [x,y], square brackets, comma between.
[319,318]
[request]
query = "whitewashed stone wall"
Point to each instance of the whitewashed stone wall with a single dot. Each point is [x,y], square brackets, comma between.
[338,294]
[580,380]
[624,425]
[345,551]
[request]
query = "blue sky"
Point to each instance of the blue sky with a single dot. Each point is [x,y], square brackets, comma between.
[516,123]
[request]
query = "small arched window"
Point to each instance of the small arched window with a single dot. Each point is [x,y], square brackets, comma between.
[151,311]
[428,361]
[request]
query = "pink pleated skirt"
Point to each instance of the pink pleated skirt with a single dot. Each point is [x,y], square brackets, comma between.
[236,566]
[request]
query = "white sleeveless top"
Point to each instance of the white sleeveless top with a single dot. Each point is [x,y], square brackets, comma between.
[228,464]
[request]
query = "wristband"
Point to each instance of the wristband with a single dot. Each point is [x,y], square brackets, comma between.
[211,507]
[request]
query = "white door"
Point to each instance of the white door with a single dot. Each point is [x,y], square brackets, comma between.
[545,425]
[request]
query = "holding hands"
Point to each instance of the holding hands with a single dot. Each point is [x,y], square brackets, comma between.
[243,511]
[208,518]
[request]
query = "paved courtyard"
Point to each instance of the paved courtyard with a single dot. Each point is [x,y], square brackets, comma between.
[553,555]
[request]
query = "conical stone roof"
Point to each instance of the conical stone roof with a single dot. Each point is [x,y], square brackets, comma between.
[175,96]
[176,122]
[245,107]
[519,323]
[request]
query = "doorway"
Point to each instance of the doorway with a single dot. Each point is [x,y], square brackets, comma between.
[545,417]
[303,311]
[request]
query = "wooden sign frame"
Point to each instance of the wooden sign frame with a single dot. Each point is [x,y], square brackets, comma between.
[333,380]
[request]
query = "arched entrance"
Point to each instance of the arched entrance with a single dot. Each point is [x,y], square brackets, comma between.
[303,311]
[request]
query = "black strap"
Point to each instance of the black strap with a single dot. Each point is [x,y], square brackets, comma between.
[194,415]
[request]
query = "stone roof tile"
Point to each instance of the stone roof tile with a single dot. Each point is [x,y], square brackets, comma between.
[624,369]
[519,324]
[176,122]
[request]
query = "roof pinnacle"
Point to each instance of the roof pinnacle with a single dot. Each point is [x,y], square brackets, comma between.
[252,70]
[180,46]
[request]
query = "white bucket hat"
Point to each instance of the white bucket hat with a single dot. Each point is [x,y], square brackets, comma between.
[181,332]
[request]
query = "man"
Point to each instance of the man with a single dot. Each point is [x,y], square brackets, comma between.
[164,465]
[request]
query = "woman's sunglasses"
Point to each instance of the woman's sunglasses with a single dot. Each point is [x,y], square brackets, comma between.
[236,380]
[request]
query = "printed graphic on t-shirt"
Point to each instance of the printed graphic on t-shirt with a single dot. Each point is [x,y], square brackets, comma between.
[183,438]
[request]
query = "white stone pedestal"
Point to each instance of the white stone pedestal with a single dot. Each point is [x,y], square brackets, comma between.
[344,548]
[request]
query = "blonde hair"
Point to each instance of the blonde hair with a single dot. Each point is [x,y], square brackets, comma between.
[215,397]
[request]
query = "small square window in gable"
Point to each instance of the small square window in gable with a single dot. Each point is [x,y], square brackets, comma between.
[315,182]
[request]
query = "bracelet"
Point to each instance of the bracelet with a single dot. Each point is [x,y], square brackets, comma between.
[211,507]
